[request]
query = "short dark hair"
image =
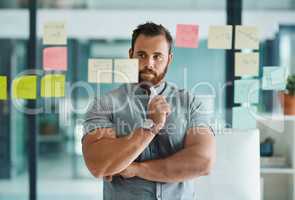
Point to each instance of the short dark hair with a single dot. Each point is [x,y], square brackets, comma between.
[151,29]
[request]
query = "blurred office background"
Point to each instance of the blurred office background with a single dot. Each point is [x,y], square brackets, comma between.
[102,29]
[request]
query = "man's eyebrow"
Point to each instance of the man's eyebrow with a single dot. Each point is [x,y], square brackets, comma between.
[141,52]
[158,53]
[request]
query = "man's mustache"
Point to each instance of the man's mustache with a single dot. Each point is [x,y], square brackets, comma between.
[147,71]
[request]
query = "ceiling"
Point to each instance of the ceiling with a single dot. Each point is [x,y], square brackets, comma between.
[151,4]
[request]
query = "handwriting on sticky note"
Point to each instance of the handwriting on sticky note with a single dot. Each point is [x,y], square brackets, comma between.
[55,58]
[220,37]
[273,78]
[100,71]
[126,70]
[3,87]
[187,36]
[246,91]
[246,37]
[54,33]
[25,87]
[244,117]
[246,64]
[53,85]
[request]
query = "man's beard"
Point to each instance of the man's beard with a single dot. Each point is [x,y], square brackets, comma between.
[156,78]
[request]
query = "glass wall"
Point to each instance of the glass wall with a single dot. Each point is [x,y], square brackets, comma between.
[13,131]
[275,20]
[189,68]
[94,30]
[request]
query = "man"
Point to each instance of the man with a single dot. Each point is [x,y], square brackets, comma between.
[148,147]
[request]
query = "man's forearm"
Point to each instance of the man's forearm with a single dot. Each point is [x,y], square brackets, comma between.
[185,164]
[111,155]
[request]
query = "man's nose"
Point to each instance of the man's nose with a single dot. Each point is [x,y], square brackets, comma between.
[150,64]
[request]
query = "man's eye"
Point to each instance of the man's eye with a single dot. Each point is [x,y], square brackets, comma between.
[157,57]
[141,56]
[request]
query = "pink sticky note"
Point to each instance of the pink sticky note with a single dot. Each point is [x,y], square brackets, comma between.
[55,58]
[187,36]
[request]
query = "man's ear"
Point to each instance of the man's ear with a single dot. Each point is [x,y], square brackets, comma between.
[170,58]
[130,53]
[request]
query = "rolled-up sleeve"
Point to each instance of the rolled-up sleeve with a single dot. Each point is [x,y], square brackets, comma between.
[98,115]
[199,114]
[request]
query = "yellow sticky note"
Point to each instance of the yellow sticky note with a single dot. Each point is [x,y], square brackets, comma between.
[25,87]
[53,85]
[54,33]
[246,37]
[126,70]
[220,37]
[100,70]
[246,64]
[3,87]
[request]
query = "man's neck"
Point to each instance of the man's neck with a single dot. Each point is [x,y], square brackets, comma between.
[148,86]
[158,84]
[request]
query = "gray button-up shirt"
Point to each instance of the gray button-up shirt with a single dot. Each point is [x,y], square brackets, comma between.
[124,109]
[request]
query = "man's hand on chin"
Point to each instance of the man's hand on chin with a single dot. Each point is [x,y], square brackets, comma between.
[130,172]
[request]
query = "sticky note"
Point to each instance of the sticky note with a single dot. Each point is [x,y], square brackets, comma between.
[246,64]
[25,87]
[273,78]
[53,85]
[55,58]
[244,117]
[187,36]
[246,91]
[3,87]
[126,70]
[220,37]
[247,37]
[54,33]
[100,70]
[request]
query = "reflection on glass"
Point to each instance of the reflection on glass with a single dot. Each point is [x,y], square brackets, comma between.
[62,173]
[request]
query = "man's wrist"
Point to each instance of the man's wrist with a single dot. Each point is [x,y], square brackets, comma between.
[150,126]
[138,169]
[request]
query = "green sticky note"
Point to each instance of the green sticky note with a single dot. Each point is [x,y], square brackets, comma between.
[25,87]
[3,87]
[246,91]
[273,78]
[244,117]
[53,85]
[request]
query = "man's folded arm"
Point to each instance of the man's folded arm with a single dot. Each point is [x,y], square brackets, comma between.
[196,159]
[103,152]
[106,155]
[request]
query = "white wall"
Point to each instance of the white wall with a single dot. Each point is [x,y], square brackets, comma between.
[118,24]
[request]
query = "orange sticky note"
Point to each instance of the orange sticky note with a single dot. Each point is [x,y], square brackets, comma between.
[55,58]
[187,36]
